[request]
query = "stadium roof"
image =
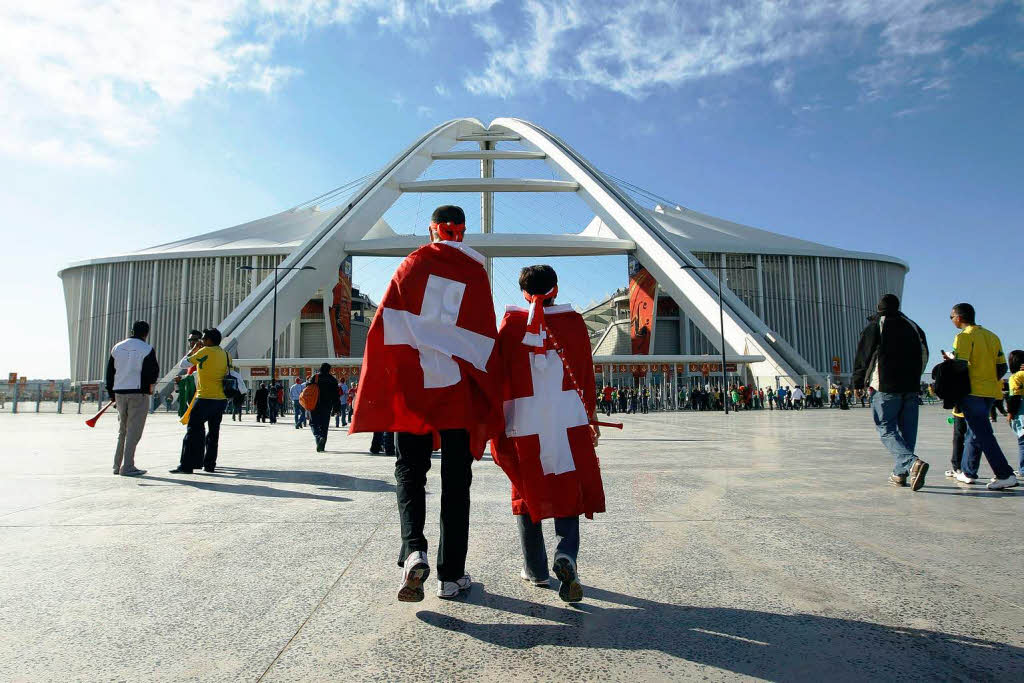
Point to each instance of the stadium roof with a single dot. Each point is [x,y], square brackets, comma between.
[691,230]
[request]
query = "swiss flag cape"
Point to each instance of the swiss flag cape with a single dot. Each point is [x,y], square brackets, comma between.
[429,363]
[546,449]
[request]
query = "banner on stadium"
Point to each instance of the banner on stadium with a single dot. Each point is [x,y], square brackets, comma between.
[705,368]
[259,372]
[598,369]
[341,311]
[836,365]
[642,290]
[12,378]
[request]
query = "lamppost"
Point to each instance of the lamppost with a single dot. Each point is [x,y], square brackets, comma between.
[273,341]
[721,320]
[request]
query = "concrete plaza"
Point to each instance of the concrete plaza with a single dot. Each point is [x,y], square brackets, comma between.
[763,545]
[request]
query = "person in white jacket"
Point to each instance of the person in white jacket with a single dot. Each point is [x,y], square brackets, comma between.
[132,370]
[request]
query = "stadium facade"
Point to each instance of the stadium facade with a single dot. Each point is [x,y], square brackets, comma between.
[794,310]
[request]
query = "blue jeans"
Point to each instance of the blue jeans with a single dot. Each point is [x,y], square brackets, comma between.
[981,439]
[896,420]
[535,554]
[300,414]
[342,415]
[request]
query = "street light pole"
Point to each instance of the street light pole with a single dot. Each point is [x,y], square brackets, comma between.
[273,340]
[721,322]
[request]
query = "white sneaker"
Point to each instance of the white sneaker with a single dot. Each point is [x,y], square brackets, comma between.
[536,582]
[414,572]
[964,479]
[951,474]
[1000,484]
[450,589]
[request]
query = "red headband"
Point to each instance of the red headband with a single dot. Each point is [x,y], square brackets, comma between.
[535,319]
[450,232]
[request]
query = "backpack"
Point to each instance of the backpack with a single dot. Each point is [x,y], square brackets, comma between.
[310,395]
[230,383]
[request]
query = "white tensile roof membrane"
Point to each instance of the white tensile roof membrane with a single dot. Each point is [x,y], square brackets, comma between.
[691,230]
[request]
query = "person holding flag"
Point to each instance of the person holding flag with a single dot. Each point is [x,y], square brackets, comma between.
[430,376]
[548,445]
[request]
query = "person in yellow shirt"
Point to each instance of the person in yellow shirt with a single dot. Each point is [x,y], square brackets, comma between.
[1014,407]
[986,364]
[199,447]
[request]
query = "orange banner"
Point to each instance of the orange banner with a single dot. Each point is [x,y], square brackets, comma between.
[642,290]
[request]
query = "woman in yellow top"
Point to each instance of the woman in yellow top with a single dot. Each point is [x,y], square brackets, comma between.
[199,447]
[986,364]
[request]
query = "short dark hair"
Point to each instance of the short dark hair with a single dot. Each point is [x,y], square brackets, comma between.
[1015,360]
[325,368]
[449,213]
[539,279]
[140,329]
[213,334]
[965,311]
[889,303]
[195,333]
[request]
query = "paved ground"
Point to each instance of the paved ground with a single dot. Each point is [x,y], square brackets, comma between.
[764,545]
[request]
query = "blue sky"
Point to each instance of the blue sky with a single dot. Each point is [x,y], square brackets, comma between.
[875,126]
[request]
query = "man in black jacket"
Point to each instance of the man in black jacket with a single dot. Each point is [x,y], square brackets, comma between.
[327,405]
[132,370]
[890,358]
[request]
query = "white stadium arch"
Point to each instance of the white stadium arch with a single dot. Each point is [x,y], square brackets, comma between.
[665,240]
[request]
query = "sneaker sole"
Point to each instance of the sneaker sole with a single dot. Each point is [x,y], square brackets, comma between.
[412,588]
[917,481]
[570,589]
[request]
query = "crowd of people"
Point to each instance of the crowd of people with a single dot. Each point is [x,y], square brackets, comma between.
[507,388]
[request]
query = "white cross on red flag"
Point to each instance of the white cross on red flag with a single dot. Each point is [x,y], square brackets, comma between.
[429,363]
[547,449]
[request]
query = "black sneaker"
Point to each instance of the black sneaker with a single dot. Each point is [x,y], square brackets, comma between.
[917,472]
[178,470]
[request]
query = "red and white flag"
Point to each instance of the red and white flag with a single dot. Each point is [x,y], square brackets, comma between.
[429,363]
[547,449]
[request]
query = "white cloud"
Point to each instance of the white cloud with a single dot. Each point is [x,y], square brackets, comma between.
[489,32]
[424,111]
[442,90]
[638,47]
[783,83]
[81,81]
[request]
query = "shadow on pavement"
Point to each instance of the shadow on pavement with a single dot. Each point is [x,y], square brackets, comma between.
[760,644]
[326,480]
[207,482]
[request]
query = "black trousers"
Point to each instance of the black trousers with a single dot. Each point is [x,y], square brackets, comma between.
[202,435]
[383,441]
[319,424]
[411,467]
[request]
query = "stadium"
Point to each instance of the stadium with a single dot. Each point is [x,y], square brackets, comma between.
[792,309]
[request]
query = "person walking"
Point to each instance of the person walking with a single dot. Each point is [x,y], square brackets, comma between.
[890,358]
[1014,409]
[132,370]
[260,398]
[202,435]
[326,405]
[342,413]
[273,401]
[986,364]
[186,384]
[293,393]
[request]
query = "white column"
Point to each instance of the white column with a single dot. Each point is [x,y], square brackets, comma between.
[845,333]
[487,207]
[792,301]
[106,314]
[760,288]
[218,288]
[821,313]
[92,327]
[128,299]
[183,324]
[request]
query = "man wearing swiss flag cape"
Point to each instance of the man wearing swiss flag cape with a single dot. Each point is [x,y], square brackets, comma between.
[548,444]
[430,375]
